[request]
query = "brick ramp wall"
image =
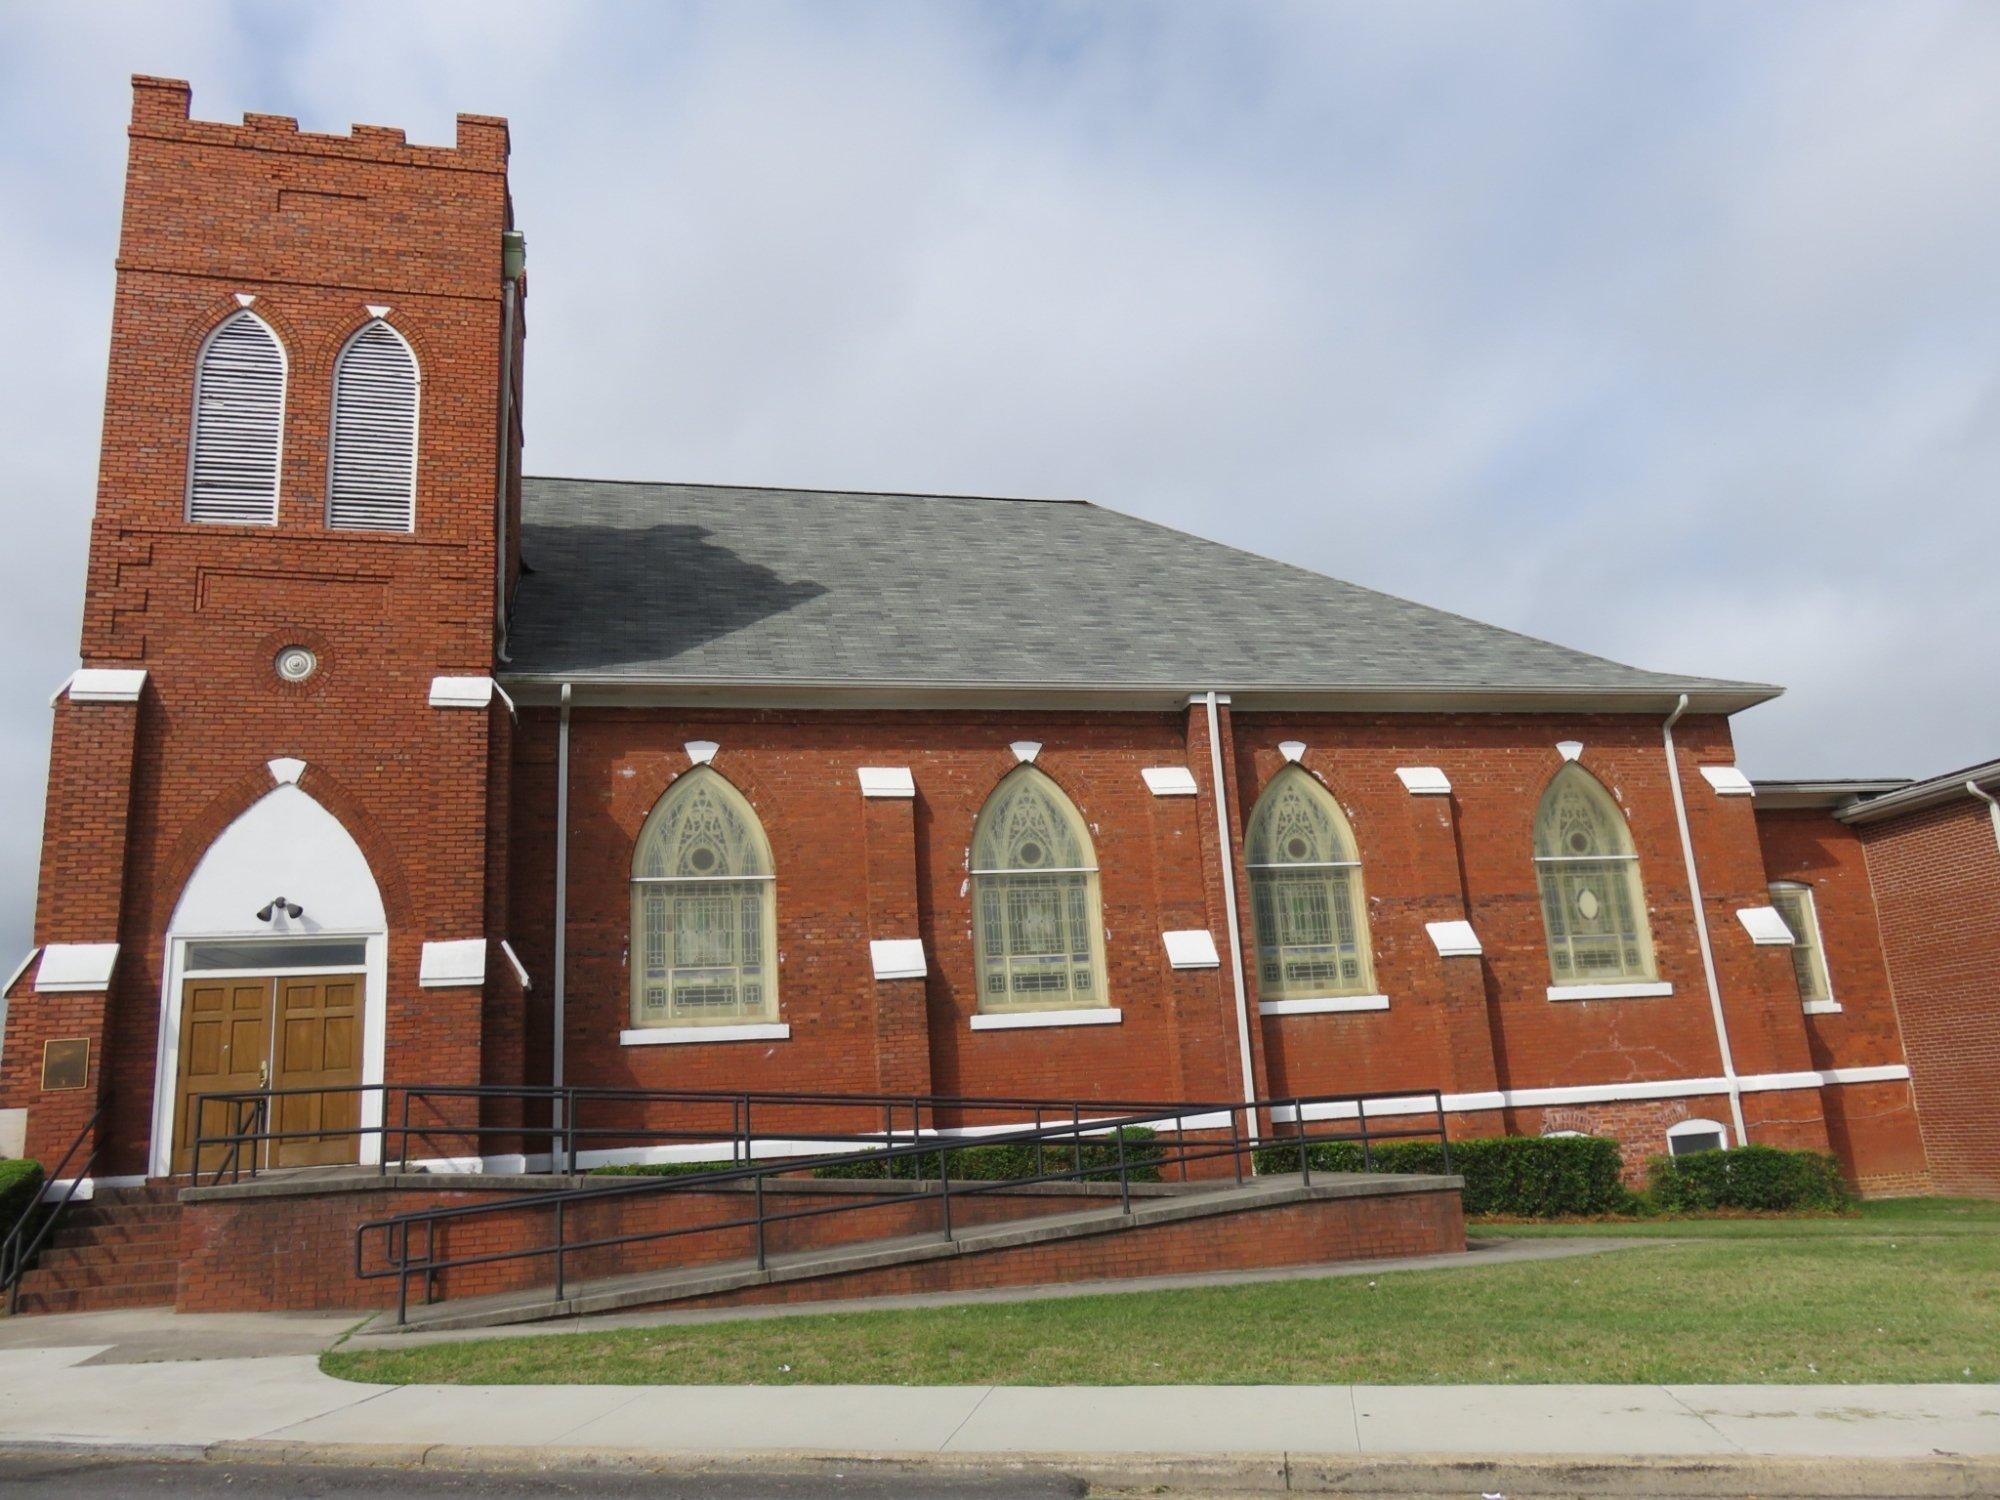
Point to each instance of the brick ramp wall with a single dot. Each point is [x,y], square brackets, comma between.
[293,1248]
[1310,1232]
[280,1246]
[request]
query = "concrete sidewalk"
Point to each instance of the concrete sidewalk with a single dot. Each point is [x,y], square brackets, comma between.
[1257,1437]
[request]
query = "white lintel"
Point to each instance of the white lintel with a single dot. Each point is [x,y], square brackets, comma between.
[1454,939]
[1169,781]
[898,958]
[886,781]
[75,967]
[106,684]
[1728,781]
[461,692]
[1766,926]
[1191,948]
[1424,781]
[456,963]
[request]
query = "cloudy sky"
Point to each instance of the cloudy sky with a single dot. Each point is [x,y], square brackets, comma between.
[1663,330]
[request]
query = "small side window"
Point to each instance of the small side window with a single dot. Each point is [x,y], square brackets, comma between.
[1796,905]
[1690,1136]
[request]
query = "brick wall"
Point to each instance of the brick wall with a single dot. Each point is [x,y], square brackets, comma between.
[1467,1025]
[264,1250]
[1873,1126]
[1936,877]
[315,228]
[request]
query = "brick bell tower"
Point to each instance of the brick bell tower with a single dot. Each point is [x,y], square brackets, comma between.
[275,782]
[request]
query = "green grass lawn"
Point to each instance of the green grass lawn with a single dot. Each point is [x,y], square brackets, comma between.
[1904,1291]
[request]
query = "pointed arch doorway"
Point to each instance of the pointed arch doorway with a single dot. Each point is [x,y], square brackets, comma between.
[262,992]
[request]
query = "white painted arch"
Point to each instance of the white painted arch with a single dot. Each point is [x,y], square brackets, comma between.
[285,844]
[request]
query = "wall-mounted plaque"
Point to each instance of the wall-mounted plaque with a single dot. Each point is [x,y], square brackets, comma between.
[66,1063]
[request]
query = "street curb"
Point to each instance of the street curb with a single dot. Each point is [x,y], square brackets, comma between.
[1666,1478]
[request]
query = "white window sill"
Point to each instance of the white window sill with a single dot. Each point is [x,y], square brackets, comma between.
[1010,1020]
[667,1036]
[1320,1005]
[1635,991]
[1823,1007]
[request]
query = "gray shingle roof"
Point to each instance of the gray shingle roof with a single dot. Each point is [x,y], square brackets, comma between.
[685,583]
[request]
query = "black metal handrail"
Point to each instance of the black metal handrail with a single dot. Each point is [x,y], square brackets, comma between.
[18,1249]
[250,1115]
[395,1231]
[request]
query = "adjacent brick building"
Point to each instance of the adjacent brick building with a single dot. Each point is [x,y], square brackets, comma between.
[386,764]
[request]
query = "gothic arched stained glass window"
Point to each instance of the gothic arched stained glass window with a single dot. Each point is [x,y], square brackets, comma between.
[1305,894]
[1035,919]
[1593,903]
[704,909]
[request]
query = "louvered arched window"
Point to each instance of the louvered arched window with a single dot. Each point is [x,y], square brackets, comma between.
[372,466]
[1035,917]
[1593,903]
[239,421]
[1305,893]
[704,909]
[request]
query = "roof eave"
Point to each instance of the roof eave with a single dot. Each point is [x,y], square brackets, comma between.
[621,689]
[1918,795]
[1785,796]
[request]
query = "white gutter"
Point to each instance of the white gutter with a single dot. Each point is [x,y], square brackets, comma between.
[506,447]
[1992,805]
[1229,899]
[562,900]
[1734,1084]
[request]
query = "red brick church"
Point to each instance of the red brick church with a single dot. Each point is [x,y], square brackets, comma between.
[387,764]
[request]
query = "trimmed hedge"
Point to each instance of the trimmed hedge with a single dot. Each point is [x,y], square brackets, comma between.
[1002,1163]
[662,1169]
[20,1185]
[1530,1177]
[1752,1179]
[970,1163]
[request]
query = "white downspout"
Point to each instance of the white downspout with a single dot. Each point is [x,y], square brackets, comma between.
[1229,899]
[1992,805]
[1701,927]
[562,914]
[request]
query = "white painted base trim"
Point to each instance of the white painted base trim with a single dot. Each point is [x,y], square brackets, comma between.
[668,1036]
[1608,1093]
[1610,991]
[1103,1015]
[1823,1007]
[1317,1005]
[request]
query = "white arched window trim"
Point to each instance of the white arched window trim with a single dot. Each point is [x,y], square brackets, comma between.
[1593,899]
[1689,1136]
[1308,906]
[236,430]
[372,437]
[1037,920]
[704,955]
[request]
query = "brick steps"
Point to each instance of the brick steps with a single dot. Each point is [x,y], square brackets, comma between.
[120,1249]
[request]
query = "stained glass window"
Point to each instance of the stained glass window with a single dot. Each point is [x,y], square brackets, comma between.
[1593,904]
[1305,894]
[1036,926]
[1796,905]
[703,909]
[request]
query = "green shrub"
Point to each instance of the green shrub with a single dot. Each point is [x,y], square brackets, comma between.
[1097,1157]
[20,1185]
[1753,1179]
[1532,1177]
[662,1169]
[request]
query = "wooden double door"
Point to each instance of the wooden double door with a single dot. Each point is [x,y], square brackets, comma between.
[243,1033]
